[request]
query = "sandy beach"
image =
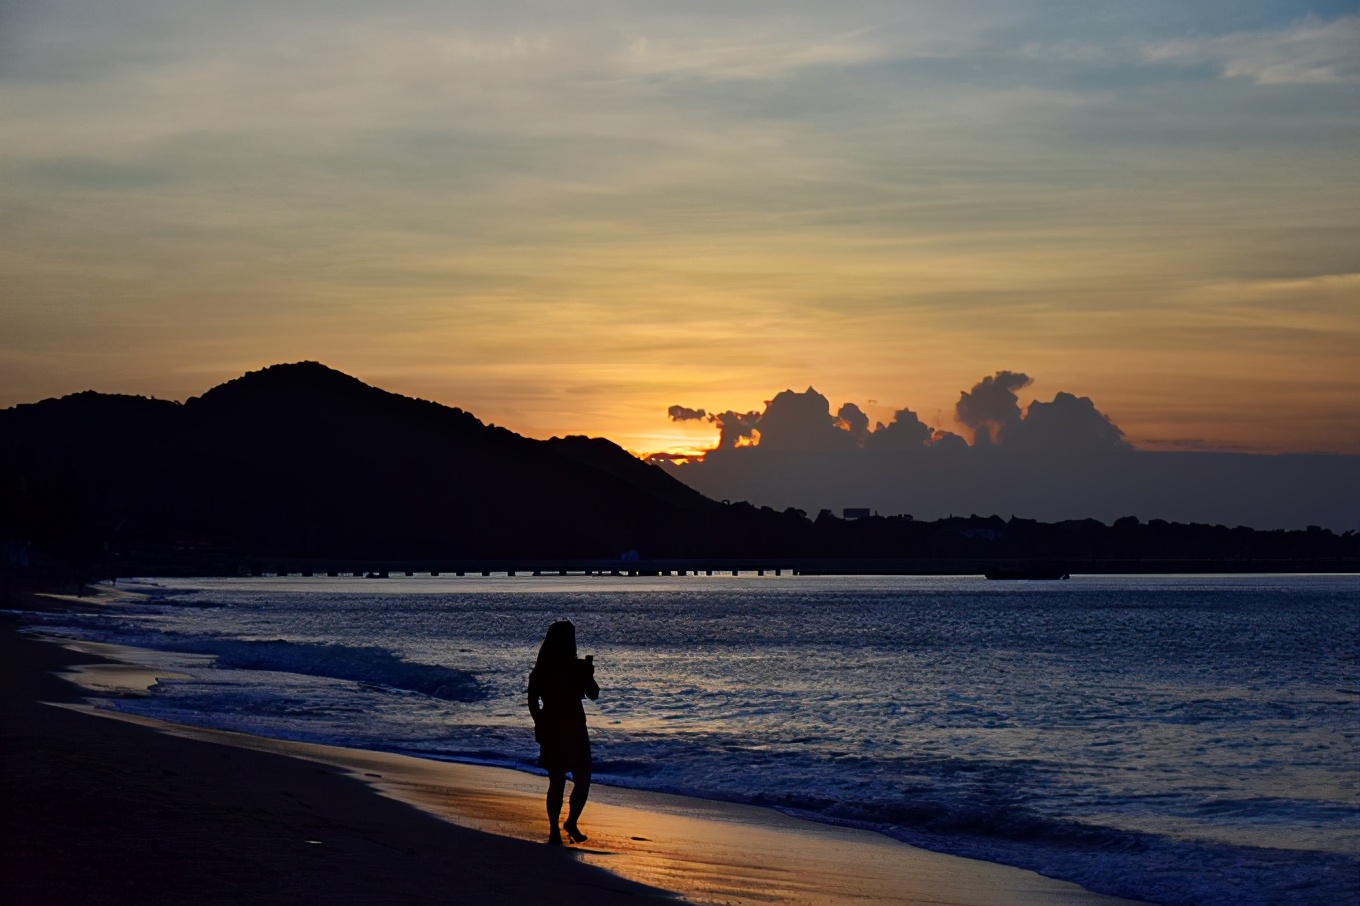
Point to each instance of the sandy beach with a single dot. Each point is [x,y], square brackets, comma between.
[108,808]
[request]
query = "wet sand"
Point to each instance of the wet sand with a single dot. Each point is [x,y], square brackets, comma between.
[113,808]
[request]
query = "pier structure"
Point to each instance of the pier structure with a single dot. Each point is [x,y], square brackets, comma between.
[384,569]
[771,567]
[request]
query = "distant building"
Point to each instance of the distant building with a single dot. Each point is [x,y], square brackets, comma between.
[856,512]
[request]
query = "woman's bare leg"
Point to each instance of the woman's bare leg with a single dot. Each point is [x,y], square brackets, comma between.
[557,783]
[580,791]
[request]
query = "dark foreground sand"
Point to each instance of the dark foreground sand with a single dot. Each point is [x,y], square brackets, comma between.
[100,810]
[105,811]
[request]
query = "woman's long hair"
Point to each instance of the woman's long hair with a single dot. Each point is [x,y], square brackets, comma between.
[559,645]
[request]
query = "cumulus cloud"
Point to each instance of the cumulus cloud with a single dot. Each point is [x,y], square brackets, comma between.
[947,442]
[734,427]
[851,418]
[1060,459]
[801,421]
[991,406]
[796,422]
[1068,424]
[906,431]
[685,414]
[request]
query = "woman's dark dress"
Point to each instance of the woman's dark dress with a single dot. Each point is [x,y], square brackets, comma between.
[560,723]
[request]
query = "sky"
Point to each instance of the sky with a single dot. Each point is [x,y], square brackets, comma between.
[567,218]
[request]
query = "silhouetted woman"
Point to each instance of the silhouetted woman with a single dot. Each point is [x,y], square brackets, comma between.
[559,681]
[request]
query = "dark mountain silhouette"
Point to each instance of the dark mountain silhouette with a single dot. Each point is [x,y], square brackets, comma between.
[301,460]
[304,462]
[610,458]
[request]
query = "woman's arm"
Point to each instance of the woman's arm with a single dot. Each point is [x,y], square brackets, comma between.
[588,684]
[535,710]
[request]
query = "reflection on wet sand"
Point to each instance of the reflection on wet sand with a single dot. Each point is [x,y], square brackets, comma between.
[709,852]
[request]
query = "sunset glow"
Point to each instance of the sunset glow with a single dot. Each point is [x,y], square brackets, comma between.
[566,221]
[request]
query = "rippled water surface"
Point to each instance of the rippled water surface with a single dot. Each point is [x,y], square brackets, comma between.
[1182,740]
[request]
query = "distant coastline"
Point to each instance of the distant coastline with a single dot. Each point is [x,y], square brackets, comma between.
[302,469]
[361,568]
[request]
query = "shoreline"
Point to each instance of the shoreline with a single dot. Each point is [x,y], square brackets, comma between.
[397,846]
[706,851]
[104,810]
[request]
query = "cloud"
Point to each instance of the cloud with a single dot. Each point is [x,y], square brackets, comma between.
[737,59]
[657,459]
[852,419]
[1310,52]
[801,421]
[906,431]
[684,414]
[1068,424]
[992,404]
[734,427]
[1061,459]
[796,422]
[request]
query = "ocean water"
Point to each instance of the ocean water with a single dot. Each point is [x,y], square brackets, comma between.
[1178,740]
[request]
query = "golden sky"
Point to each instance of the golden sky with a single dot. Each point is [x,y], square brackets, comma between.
[567,217]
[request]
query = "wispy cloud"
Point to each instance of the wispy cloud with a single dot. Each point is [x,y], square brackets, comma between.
[1310,52]
[754,60]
